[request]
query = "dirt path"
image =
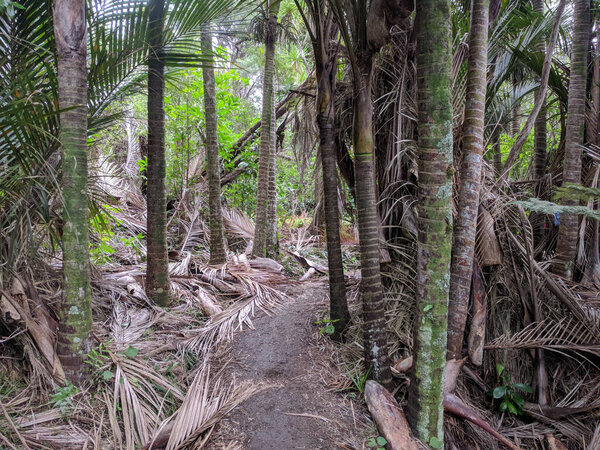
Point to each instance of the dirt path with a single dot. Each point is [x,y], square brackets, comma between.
[301,413]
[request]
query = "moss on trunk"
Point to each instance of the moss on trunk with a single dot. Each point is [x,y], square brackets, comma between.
[75,311]
[425,407]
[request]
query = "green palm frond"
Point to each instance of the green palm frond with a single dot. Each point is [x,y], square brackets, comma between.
[29,125]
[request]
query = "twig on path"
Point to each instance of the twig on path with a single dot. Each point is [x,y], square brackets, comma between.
[312,416]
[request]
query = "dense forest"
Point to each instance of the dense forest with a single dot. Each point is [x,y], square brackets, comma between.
[313,224]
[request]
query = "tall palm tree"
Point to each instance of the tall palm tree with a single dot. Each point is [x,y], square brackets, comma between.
[157,273]
[272,247]
[323,35]
[539,140]
[217,239]
[70,32]
[365,29]
[470,178]
[267,134]
[569,223]
[433,25]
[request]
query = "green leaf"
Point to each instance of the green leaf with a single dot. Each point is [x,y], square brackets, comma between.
[107,375]
[499,369]
[371,442]
[434,442]
[512,408]
[503,406]
[427,308]
[131,352]
[329,329]
[499,392]
[519,401]
[523,387]
[381,441]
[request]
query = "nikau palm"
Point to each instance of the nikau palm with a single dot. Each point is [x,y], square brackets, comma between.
[74,337]
[323,36]
[213,169]
[267,136]
[425,410]
[365,31]
[461,269]
[566,248]
[61,101]
[157,274]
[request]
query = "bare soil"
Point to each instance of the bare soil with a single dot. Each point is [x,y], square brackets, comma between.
[299,411]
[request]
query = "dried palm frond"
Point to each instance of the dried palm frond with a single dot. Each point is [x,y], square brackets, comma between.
[567,334]
[203,407]
[238,223]
[136,392]
[129,324]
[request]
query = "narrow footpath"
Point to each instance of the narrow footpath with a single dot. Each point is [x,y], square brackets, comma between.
[299,412]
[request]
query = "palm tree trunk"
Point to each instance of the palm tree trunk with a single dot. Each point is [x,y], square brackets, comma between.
[497,153]
[326,70]
[470,179]
[217,240]
[74,343]
[371,291]
[433,25]
[157,273]
[539,139]
[569,223]
[267,137]
[272,243]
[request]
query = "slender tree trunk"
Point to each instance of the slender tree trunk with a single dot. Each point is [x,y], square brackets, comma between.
[272,243]
[157,273]
[267,137]
[539,140]
[497,153]
[425,408]
[470,179]
[569,223]
[371,291]
[74,343]
[213,169]
[540,95]
[515,122]
[326,70]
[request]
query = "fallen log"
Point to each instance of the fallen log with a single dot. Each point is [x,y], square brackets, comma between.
[389,417]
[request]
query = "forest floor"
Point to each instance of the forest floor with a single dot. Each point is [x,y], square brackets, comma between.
[299,410]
